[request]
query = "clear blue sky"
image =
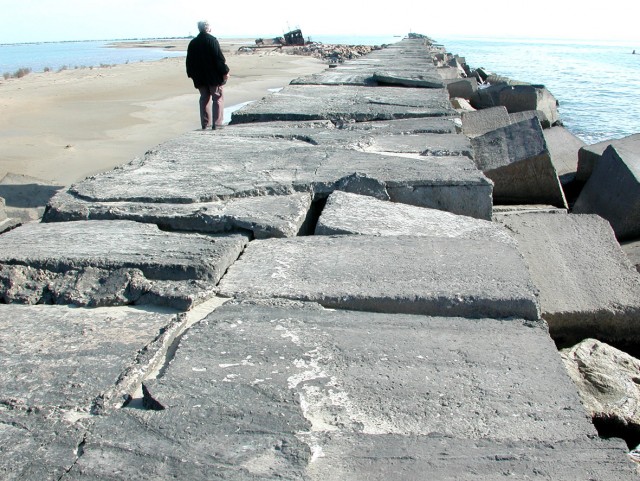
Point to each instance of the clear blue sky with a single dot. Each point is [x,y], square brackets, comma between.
[55,20]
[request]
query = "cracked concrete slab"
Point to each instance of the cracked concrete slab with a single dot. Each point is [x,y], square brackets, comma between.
[454,276]
[200,167]
[587,286]
[77,360]
[112,263]
[346,213]
[345,102]
[281,389]
[263,216]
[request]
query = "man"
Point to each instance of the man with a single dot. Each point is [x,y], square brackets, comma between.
[208,69]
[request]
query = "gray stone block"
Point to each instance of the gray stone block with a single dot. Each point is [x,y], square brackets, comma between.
[613,191]
[480,122]
[589,155]
[79,360]
[530,114]
[112,263]
[272,390]
[455,277]
[198,168]
[563,147]
[587,287]
[519,98]
[346,213]
[464,88]
[516,158]
[320,102]
[263,216]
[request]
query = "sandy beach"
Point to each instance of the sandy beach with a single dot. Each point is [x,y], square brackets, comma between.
[61,127]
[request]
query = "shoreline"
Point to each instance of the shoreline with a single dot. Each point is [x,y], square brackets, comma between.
[86,121]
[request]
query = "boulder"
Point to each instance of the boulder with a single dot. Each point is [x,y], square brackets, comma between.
[590,155]
[607,380]
[613,191]
[517,160]
[587,286]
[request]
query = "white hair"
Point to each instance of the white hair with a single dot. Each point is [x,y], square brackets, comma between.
[203,26]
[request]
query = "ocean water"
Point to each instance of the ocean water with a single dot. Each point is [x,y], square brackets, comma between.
[597,84]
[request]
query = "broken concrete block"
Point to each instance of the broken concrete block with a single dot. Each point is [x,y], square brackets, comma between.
[587,286]
[613,191]
[79,360]
[606,378]
[516,158]
[346,213]
[455,277]
[480,122]
[112,263]
[589,155]
[263,216]
[321,102]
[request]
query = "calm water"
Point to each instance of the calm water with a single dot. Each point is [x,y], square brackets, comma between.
[597,84]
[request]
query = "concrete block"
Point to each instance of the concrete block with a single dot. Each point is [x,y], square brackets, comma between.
[530,114]
[112,263]
[516,158]
[79,360]
[6,223]
[613,191]
[321,102]
[461,105]
[589,155]
[346,213]
[464,88]
[480,122]
[519,98]
[263,216]
[273,390]
[366,273]
[186,170]
[563,147]
[587,287]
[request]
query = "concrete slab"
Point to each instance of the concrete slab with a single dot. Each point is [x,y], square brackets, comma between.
[262,216]
[516,158]
[480,122]
[455,277]
[613,191]
[563,147]
[25,197]
[199,167]
[79,360]
[321,102]
[587,287]
[273,390]
[346,213]
[112,263]
[589,155]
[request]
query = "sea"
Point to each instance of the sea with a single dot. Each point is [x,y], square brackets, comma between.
[596,83]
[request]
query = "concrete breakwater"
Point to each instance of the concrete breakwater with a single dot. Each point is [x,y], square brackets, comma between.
[353,280]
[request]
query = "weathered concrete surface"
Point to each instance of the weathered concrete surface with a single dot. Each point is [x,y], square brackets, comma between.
[613,191]
[111,263]
[587,287]
[199,167]
[519,98]
[516,158]
[480,122]
[272,390]
[501,210]
[78,360]
[36,444]
[632,251]
[321,102]
[563,147]
[464,88]
[6,223]
[346,213]
[455,277]
[25,197]
[607,380]
[590,155]
[263,216]
[423,76]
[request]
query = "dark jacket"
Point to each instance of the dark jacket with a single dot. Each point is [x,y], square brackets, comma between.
[206,64]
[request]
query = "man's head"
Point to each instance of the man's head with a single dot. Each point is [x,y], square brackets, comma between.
[204,27]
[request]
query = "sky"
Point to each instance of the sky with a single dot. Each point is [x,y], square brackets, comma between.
[58,20]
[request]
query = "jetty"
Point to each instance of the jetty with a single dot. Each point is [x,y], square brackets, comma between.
[385,271]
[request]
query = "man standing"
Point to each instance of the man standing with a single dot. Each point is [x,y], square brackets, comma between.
[208,69]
